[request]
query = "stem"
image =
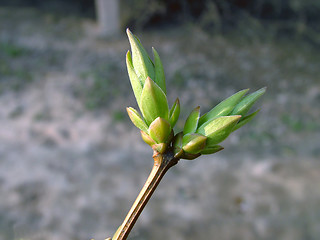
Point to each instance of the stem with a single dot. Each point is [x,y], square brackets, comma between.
[162,162]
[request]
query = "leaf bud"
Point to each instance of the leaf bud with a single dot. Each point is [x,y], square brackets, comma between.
[159,130]
[153,102]
[159,72]
[224,107]
[136,119]
[218,129]
[147,139]
[141,61]
[192,121]
[211,149]
[190,156]
[136,83]
[246,103]
[245,120]
[174,113]
[193,143]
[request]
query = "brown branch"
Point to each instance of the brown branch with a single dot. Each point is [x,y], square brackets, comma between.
[162,162]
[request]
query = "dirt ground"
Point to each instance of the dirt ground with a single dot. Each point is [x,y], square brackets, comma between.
[71,163]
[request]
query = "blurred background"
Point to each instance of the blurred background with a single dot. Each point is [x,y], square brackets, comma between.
[72,163]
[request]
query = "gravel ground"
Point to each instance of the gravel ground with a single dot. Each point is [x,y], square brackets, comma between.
[72,164]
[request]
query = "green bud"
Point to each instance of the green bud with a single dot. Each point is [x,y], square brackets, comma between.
[246,103]
[159,130]
[142,64]
[136,84]
[192,121]
[136,119]
[211,149]
[147,139]
[153,102]
[159,72]
[193,143]
[223,108]
[218,129]
[190,156]
[174,113]
[245,120]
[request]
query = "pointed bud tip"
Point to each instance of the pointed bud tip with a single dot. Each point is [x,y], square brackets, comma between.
[148,83]
[160,130]
[261,91]
[148,80]
[245,91]
[129,110]
[235,117]
[154,51]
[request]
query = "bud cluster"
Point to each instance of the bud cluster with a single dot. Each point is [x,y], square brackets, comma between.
[149,87]
[201,134]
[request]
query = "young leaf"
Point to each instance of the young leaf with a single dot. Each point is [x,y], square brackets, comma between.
[174,113]
[153,102]
[147,139]
[159,72]
[211,149]
[159,130]
[193,143]
[136,84]
[245,120]
[224,107]
[142,64]
[218,129]
[246,103]
[136,119]
[192,121]
[190,156]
